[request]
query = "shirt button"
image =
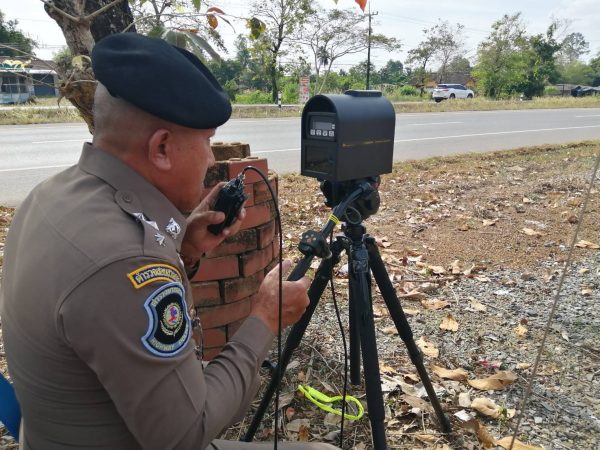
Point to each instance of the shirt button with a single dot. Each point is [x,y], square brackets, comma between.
[126,197]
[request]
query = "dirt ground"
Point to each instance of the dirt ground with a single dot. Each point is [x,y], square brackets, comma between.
[474,245]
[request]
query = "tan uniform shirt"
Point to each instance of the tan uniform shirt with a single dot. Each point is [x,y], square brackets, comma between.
[95,325]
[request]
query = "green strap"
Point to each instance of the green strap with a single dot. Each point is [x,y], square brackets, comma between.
[324,402]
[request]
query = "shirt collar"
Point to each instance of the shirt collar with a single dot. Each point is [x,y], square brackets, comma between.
[153,203]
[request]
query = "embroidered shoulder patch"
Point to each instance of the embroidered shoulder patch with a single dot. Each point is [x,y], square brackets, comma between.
[154,273]
[169,327]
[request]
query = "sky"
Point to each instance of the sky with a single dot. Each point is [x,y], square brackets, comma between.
[402,19]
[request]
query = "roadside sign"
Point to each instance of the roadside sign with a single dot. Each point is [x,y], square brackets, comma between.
[304,89]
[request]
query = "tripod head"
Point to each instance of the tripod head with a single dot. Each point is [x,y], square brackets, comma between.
[366,204]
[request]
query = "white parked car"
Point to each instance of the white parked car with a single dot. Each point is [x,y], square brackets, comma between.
[451,91]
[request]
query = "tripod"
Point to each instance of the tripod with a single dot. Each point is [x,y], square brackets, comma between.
[363,258]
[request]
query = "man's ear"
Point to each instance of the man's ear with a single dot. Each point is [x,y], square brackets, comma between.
[159,149]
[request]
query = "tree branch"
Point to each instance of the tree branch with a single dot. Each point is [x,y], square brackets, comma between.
[61,12]
[27,54]
[96,13]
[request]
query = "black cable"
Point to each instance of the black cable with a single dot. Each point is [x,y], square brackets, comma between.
[280,305]
[339,319]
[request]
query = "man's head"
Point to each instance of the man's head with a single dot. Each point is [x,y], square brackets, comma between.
[156,107]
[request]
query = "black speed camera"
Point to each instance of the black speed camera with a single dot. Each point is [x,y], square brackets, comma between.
[347,137]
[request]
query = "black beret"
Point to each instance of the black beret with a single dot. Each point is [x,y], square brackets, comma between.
[163,80]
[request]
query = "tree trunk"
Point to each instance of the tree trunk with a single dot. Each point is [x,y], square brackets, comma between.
[77,83]
[273,73]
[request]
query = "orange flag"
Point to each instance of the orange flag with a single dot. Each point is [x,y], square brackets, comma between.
[362,4]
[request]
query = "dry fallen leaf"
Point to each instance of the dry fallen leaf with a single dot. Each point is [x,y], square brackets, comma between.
[521,330]
[434,304]
[482,433]
[450,374]
[428,348]
[531,232]
[427,438]
[476,305]
[518,445]
[303,434]
[296,424]
[464,400]
[489,408]
[455,267]
[413,295]
[289,413]
[495,382]
[389,330]
[449,323]
[587,244]
[486,406]
[489,223]
[587,292]
[410,311]
[416,402]
[523,366]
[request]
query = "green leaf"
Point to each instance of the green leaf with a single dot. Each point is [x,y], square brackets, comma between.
[202,44]
[197,4]
[256,26]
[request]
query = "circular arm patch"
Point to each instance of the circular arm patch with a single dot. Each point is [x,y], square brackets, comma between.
[168,321]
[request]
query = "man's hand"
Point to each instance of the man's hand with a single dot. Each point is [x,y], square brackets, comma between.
[294,302]
[198,240]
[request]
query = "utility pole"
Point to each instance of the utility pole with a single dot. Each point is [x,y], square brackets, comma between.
[369,48]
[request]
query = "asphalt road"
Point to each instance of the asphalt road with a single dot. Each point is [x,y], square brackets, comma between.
[31,153]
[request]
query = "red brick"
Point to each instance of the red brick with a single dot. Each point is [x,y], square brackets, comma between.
[210,353]
[214,337]
[261,191]
[226,150]
[266,233]
[206,293]
[254,261]
[236,165]
[235,290]
[271,266]
[218,268]
[275,245]
[257,215]
[249,191]
[242,241]
[222,315]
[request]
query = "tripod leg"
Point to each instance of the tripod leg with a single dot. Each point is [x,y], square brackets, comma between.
[354,334]
[318,285]
[364,312]
[393,304]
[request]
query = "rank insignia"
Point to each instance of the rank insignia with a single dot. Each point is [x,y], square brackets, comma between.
[153,273]
[159,238]
[173,228]
[142,218]
[169,327]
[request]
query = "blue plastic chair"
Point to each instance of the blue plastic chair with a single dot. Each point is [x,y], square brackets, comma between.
[10,411]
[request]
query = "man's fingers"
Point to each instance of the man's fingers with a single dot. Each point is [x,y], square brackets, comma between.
[213,217]
[212,195]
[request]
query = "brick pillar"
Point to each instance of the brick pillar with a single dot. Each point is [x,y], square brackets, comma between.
[229,276]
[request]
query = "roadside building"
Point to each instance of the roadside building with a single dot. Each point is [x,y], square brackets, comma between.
[21,79]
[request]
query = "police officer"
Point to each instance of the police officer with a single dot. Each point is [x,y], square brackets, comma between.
[95,293]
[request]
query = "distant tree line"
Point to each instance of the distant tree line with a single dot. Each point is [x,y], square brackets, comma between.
[289,39]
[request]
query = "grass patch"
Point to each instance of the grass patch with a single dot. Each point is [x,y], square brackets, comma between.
[39,112]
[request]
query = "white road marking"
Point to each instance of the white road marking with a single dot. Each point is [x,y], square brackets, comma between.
[21,169]
[430,123]
[277,151]
[494,133]
[592,115]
